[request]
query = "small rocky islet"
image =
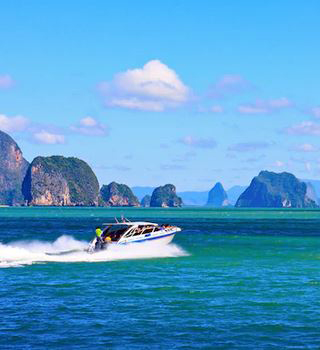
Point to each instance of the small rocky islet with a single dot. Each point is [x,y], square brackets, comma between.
[272,190]
[60,181]
[145,201]
[217,196]
[69,181]
[165,196]
[118,195]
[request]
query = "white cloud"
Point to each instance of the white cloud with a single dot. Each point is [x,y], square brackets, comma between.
[229,84]
[13,124]
[45,134]
[281,102]
[265,106]
[90,126]
[6,81]
[278,164]
[216,109]
[251,109]
[315,111]
[154,87]
[304,128]
[49,138]
[88,122]
[199,142]
[306,147]
[248,146]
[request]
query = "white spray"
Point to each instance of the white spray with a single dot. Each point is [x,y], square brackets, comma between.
[22,253]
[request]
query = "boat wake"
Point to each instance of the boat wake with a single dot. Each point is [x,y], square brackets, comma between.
[68,249]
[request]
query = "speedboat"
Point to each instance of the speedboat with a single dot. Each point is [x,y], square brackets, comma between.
[132,232]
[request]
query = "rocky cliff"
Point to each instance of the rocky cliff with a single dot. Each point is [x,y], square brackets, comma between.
[165,196]
[311,192]
[272,190]
[145,201]
[60,181]
[118,195]
[13,168]
[217,196]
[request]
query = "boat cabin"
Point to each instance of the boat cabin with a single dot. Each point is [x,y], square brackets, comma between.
[129,229]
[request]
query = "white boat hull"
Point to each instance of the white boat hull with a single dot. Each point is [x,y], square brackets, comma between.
[165,240]
[159,235]
[160,240]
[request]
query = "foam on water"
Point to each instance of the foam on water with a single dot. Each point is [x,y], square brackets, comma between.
[22,253]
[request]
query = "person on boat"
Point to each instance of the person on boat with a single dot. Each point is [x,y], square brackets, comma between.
[98,232]
[107,239]
[99,238]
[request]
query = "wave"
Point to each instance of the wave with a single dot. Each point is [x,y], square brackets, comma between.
[68,249]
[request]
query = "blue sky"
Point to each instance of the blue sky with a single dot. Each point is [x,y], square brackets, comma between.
[179,92]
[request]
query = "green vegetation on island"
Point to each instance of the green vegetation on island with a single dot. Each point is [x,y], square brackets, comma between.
[118,195]
[165,196]
[272,190]
[58,180]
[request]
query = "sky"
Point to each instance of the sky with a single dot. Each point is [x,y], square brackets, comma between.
[156,92]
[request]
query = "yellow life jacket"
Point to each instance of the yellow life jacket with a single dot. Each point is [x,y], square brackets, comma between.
[98,232]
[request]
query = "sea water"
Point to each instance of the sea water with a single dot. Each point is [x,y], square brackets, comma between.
[233,279]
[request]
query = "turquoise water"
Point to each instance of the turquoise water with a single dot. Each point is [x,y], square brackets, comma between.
[234,279]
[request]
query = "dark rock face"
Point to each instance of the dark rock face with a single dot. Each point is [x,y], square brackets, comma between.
[13,168]
[118,195]
[217,196]
[165,196]
[60,181]
[145,201]
[272,190]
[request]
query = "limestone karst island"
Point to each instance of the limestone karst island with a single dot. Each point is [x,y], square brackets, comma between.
[61,181]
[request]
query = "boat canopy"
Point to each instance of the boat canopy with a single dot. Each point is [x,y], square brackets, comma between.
[129,223]
[128,229]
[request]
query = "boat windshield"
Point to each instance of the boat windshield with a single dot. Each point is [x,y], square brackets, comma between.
[141,230]
[115,231]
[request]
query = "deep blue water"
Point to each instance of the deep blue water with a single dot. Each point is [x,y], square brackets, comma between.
[229,281]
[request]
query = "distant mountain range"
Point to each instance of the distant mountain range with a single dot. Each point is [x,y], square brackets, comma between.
[61,181]
[197,198]
[200,198]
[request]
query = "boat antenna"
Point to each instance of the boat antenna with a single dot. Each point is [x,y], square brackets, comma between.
[116,220]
